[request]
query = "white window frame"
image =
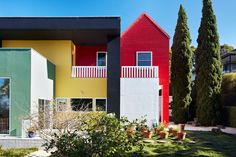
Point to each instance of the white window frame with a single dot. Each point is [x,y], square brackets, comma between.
[96,104]
[9,119]
[97,57]
[69,105]
[143,52]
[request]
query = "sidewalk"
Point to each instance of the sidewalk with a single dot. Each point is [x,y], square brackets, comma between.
[190,127]
[39,153]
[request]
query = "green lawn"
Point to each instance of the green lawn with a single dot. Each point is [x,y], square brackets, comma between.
[206,144]
[16,152]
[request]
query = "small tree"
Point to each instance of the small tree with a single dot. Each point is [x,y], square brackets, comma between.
[208,68]
[181,66]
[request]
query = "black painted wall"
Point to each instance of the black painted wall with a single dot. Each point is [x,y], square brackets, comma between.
[113,75]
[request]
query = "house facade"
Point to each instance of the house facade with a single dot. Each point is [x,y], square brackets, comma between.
[84,64]
[228,60]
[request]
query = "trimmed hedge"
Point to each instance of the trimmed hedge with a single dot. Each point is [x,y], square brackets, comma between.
[230,116]
[228,93]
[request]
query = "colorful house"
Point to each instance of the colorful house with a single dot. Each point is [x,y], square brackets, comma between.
[82,61]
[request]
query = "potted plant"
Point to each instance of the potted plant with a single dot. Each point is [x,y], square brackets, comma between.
[163,135]
[181,127]
[170,130]
[159,128]
[143,129]
[131,130]
[31,132]
[147,134]
[181,135]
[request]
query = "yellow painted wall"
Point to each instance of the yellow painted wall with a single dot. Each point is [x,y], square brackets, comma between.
[59,52]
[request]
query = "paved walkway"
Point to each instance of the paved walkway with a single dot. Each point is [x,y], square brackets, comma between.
[39,153]
[190,127]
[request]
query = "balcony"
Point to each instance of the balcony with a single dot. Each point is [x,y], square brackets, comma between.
[89,71]
[139,72]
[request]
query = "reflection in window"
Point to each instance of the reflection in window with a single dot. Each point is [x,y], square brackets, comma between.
[81,104]
[100,104]
[101,59]
[4,105]
[62,104]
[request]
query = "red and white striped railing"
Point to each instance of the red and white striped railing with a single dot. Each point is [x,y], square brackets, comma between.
[139,72]
[89,71]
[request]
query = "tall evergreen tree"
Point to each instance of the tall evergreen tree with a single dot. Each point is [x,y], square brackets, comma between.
[181,65]
[208,68]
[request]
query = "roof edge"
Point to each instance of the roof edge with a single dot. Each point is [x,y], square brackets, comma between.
[151,20]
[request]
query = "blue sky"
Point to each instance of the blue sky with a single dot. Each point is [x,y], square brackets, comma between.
[1,82]
[164,12]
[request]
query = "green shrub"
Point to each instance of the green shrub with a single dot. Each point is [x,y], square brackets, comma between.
[229,83]
[98,135]
[228,93]
[230,116]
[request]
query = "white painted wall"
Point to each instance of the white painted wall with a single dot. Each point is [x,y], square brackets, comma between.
[41,86]
[140,97]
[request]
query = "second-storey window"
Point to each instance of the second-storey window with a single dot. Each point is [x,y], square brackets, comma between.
[144,58]
[101,58]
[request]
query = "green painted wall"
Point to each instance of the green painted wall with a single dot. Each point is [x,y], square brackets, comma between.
[51,68]
[16,64]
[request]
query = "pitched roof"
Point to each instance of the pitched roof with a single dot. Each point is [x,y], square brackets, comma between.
[145,15]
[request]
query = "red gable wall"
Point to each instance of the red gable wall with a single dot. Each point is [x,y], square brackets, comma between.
[145,35]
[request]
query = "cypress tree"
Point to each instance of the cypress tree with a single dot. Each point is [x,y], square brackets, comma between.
[208,68]
[181,65]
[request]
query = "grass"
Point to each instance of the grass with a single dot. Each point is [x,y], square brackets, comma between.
[206,144]
[16,152]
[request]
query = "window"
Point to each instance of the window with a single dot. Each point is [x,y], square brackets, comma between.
[144,58]
[101,58]
[81,104]
[62,104]
[44,113]
[101,105]
[4,105]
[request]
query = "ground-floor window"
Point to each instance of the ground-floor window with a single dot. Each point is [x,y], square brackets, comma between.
[62,104]
[4,105]
[44,111]
[101,105]
[81,104]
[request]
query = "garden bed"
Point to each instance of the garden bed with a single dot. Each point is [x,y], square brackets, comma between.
[196,144]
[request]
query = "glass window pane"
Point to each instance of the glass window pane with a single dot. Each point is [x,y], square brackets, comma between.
[100,104]
[4,105]
[101,59]
[101,63]
[144,56]
[82,104]
[144,63]
[62,105]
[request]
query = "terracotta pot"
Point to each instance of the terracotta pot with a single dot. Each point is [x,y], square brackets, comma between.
[143,129]
[170,130]
[181,127]
[147,134]
[174,133]
[181,135]
[157,131]
[130,131]
[163,135]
